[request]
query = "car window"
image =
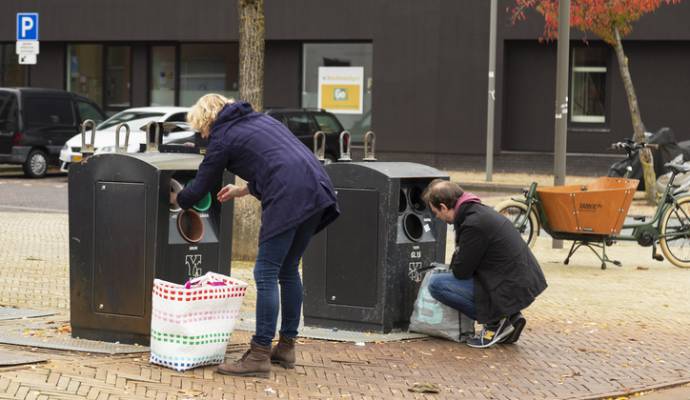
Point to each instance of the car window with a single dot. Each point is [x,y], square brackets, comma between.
[300,124]
[328,123]
[8,112]
[40,111]
[88,111]
[178,117]
[279,117]
[129,116]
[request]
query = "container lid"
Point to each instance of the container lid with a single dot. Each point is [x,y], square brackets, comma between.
[395,169]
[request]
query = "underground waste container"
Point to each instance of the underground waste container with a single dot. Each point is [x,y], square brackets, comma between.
[363,271]
[123,233]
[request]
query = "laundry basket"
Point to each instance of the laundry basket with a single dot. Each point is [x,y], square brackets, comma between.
[191,324]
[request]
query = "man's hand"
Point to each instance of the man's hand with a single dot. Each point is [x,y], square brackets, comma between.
[230,192]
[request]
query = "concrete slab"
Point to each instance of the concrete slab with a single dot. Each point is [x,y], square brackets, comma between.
[10,357]
[7,313]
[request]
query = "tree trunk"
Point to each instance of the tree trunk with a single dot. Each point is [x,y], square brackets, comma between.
[251,24]
[638,127]
[247,210]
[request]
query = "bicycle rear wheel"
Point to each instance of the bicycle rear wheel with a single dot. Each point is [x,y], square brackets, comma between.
[675,231]
[516,212]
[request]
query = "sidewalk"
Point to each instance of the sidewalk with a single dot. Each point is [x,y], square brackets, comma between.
[592,334]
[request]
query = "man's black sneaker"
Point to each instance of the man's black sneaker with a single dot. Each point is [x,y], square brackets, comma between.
[518,322]
[492,334]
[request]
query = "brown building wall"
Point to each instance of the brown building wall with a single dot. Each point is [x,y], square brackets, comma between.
[430,62]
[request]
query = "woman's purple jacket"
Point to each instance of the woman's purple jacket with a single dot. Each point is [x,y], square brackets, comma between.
[281,172]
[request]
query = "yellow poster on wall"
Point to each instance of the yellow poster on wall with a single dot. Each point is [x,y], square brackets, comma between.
[341,89]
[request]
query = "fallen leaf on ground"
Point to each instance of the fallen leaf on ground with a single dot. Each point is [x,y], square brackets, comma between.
[641,268]
[419,387]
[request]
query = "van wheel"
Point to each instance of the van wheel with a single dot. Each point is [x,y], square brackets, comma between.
[36,164]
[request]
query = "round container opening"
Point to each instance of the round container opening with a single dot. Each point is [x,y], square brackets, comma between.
[402,202]
[190,226]
[412,226]
[416,200]
[175,187]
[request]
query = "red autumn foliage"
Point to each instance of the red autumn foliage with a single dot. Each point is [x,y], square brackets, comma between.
[600,17]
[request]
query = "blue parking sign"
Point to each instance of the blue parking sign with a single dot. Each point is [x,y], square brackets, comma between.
[27,26]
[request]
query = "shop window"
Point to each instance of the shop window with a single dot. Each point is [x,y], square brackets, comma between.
[11,73]
[208,68]
[118,82]
[85,71]
[163,84]
[355,112]
[588,85]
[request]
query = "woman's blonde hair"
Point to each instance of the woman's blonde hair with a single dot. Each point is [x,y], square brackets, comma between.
[204,112]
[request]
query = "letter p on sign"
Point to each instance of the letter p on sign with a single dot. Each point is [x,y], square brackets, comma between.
[27,26]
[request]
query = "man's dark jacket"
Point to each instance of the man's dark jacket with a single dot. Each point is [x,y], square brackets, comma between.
[280,171]
[507,277]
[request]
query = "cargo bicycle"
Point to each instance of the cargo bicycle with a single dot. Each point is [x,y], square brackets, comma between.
[593,215]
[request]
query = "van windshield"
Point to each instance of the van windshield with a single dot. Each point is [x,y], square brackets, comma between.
[135,119]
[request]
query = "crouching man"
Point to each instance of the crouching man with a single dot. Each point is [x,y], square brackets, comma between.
[494,274]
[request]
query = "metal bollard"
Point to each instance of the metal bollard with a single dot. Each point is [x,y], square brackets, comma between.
[152,146]
[88,149]
[117,138]
[344,154]
[320,151]
[369,153]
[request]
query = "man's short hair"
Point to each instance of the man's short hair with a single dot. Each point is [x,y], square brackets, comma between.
[441,191]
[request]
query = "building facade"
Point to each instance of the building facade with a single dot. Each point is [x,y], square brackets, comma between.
[424,67]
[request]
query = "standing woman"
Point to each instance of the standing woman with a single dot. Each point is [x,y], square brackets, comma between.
[297,200]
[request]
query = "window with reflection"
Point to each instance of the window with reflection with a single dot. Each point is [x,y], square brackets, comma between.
[118,82]
[85,71]
[208,68]
[588,85]
[316,55]
[11,73]
[163,84]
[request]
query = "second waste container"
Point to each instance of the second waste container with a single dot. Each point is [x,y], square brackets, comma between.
[362,271]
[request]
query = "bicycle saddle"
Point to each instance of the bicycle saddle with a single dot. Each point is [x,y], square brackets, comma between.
[677,168]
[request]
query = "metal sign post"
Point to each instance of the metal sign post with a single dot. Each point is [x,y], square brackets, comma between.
[491,94]
[561,115]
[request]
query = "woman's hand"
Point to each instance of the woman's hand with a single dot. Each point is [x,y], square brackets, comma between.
[230,192]
[173,199]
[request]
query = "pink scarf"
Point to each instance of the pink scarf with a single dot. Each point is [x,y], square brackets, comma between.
[466,197]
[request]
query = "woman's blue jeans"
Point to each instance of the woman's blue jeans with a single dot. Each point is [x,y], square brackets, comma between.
[278,262]
[453,292]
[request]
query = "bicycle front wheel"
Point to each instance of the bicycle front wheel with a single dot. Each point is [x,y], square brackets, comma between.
[516,212]
[675,233]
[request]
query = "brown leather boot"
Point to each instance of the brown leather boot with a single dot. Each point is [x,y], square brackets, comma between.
[255,362]
[284,353]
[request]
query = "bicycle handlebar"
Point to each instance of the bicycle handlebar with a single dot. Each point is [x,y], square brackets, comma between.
[629,146]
